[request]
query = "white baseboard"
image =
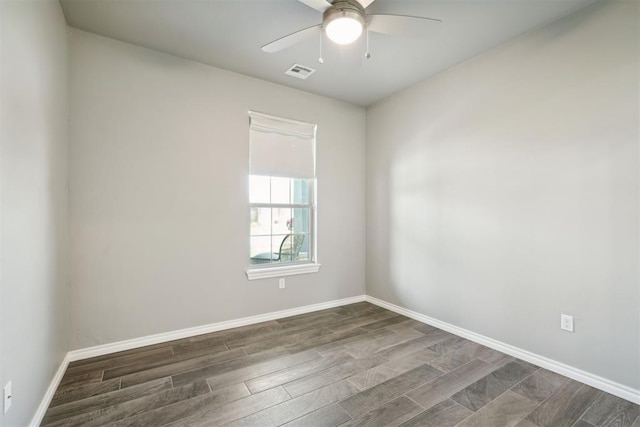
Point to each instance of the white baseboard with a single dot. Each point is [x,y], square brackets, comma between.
[596,381]
[46,400]
[115,347]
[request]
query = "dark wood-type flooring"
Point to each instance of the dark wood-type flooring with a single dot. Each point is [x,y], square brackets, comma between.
[349,366]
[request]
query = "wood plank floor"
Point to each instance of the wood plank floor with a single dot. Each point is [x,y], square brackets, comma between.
[350,366]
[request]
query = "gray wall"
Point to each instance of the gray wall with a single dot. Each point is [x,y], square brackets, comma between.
[33,188]
[159,194]
[504,192]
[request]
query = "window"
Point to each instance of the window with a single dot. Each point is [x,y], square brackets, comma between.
[282,197]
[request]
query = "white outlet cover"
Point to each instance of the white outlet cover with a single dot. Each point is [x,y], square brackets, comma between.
[7,397]
[566,322]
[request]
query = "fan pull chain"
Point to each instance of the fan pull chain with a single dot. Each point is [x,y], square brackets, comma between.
[367,54]
[320,60]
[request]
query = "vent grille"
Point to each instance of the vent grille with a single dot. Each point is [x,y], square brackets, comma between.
[299,71]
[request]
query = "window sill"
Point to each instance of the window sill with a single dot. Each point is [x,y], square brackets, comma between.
[289,270]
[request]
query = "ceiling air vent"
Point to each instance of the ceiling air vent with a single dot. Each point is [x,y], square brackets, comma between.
[299,71]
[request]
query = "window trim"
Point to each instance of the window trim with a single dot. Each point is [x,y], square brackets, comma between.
[280,271]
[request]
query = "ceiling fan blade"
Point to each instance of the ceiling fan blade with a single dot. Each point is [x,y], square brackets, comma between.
[291,39]
[319,5]
[365,3]
[404,26]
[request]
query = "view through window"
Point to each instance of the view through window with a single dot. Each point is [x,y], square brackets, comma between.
[281,213]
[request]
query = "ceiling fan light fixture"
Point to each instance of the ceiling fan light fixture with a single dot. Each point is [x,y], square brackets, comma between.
[343,26]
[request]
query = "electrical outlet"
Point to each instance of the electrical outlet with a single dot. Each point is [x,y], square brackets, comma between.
[7,397]
[566,322]
[281,283]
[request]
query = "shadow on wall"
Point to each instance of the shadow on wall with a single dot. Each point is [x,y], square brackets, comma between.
[507,188]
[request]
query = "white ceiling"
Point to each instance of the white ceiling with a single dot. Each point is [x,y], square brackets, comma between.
[229,33]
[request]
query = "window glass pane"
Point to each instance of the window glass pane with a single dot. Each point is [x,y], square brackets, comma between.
[304,254]
[260,221]
[300,191]
[302,228]
[301,220]
[280,190]
[259,189]
[290,247]
[261,252]
[280,220]
[282,245]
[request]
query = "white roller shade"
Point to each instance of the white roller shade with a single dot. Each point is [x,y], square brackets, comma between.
[281,147]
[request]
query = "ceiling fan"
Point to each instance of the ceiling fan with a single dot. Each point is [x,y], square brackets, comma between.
[344,20]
